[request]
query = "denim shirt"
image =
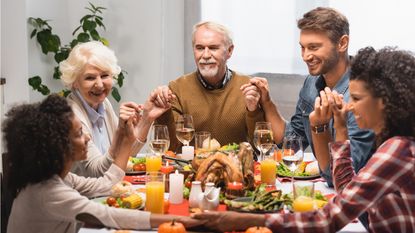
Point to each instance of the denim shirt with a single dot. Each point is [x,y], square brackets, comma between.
[361,140]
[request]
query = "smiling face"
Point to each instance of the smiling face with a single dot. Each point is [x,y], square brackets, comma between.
[94,85]
[318,52]
[211,52]
[79,140]
[368,110]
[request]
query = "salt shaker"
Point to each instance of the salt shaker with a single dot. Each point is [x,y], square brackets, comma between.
[194,197]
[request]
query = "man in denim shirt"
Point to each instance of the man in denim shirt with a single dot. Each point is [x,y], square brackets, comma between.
[324,40]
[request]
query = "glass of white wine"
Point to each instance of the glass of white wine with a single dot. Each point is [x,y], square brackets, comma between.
[263,139]
[292,153]
[184,129]
[159,139]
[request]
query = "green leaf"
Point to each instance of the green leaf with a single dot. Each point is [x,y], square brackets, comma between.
[83,37]
[120,79]
[57,74]
[66,92]
[44,90]
[73,33]
[115,94]
[85,18]
[99,22]
[95,35]
[35,82]
[61,55]
[43,38]
[73,43]
[89,25]
[54,43]
[33,33]
[104,41]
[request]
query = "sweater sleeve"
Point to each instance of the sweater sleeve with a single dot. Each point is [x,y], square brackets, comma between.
[93,187]
[66,203]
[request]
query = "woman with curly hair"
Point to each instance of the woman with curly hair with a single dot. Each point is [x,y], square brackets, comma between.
[43,141]
[89,72]
[382,98]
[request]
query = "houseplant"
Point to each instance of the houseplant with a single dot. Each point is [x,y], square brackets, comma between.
[51,43]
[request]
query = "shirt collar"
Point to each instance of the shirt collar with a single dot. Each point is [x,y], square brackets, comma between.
[341,86]
[206,85]
[93,115]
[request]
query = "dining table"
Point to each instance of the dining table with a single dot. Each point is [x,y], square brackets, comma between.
[283,184]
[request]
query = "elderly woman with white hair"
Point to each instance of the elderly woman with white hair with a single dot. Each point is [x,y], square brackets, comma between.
[89,72]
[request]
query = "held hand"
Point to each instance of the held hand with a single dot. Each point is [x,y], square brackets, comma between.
[129,110]
[263,87]
[339,112]
[252,96]
[322,109]
[220,221]
[158,102]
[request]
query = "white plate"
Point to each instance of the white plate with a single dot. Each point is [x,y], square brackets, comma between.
[102,200]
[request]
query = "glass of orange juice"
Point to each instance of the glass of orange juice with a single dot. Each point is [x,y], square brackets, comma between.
[153,163]
[269,168]
[303,196]
[155,192]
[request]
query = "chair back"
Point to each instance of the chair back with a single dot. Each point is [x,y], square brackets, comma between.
[7,195]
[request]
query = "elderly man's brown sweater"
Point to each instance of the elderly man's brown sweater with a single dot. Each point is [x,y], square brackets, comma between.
[222,112]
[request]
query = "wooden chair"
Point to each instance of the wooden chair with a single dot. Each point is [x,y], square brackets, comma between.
[7,195]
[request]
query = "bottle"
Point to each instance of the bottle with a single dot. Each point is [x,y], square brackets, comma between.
[194,197]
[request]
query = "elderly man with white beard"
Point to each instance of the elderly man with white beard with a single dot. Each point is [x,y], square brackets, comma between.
[214,95]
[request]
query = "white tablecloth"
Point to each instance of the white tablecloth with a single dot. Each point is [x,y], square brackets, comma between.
[286,187]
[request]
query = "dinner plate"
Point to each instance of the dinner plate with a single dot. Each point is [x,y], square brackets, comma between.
[134,173]
[302,177]
[103,200]
[249,199]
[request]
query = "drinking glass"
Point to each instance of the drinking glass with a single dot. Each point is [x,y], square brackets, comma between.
[303,192]
[263,139]
[155,192]
[269,168]
[292,154]
[202,141]
[184,129]
[159,139]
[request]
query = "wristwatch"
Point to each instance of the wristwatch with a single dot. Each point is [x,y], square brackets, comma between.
[319,128]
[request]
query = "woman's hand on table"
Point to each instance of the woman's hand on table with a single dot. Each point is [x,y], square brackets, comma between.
[229,220]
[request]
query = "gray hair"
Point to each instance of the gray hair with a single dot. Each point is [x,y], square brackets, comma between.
[215,27]
[93,53]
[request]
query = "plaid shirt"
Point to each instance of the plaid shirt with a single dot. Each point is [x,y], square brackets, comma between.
[385,188]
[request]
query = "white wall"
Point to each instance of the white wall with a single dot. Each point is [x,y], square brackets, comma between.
[266,35]
[147,37]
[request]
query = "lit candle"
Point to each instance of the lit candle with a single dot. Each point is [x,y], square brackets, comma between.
[176,187]
[188,152]
[167,168]
[235,185]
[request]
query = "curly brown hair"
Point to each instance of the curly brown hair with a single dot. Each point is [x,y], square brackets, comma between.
[37,140]
[389,74]
[327,20]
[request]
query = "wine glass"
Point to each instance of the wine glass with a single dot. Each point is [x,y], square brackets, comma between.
[292,154]
[159,139]
[263,139]
[184,129]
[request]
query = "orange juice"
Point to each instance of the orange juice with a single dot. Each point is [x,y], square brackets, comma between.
[155,197]
[303,204]
[268,171]
[153,163]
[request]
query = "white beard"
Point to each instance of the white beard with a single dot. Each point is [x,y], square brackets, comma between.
[209,72]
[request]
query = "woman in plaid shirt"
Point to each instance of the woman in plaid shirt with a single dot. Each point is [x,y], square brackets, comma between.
[382,98]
